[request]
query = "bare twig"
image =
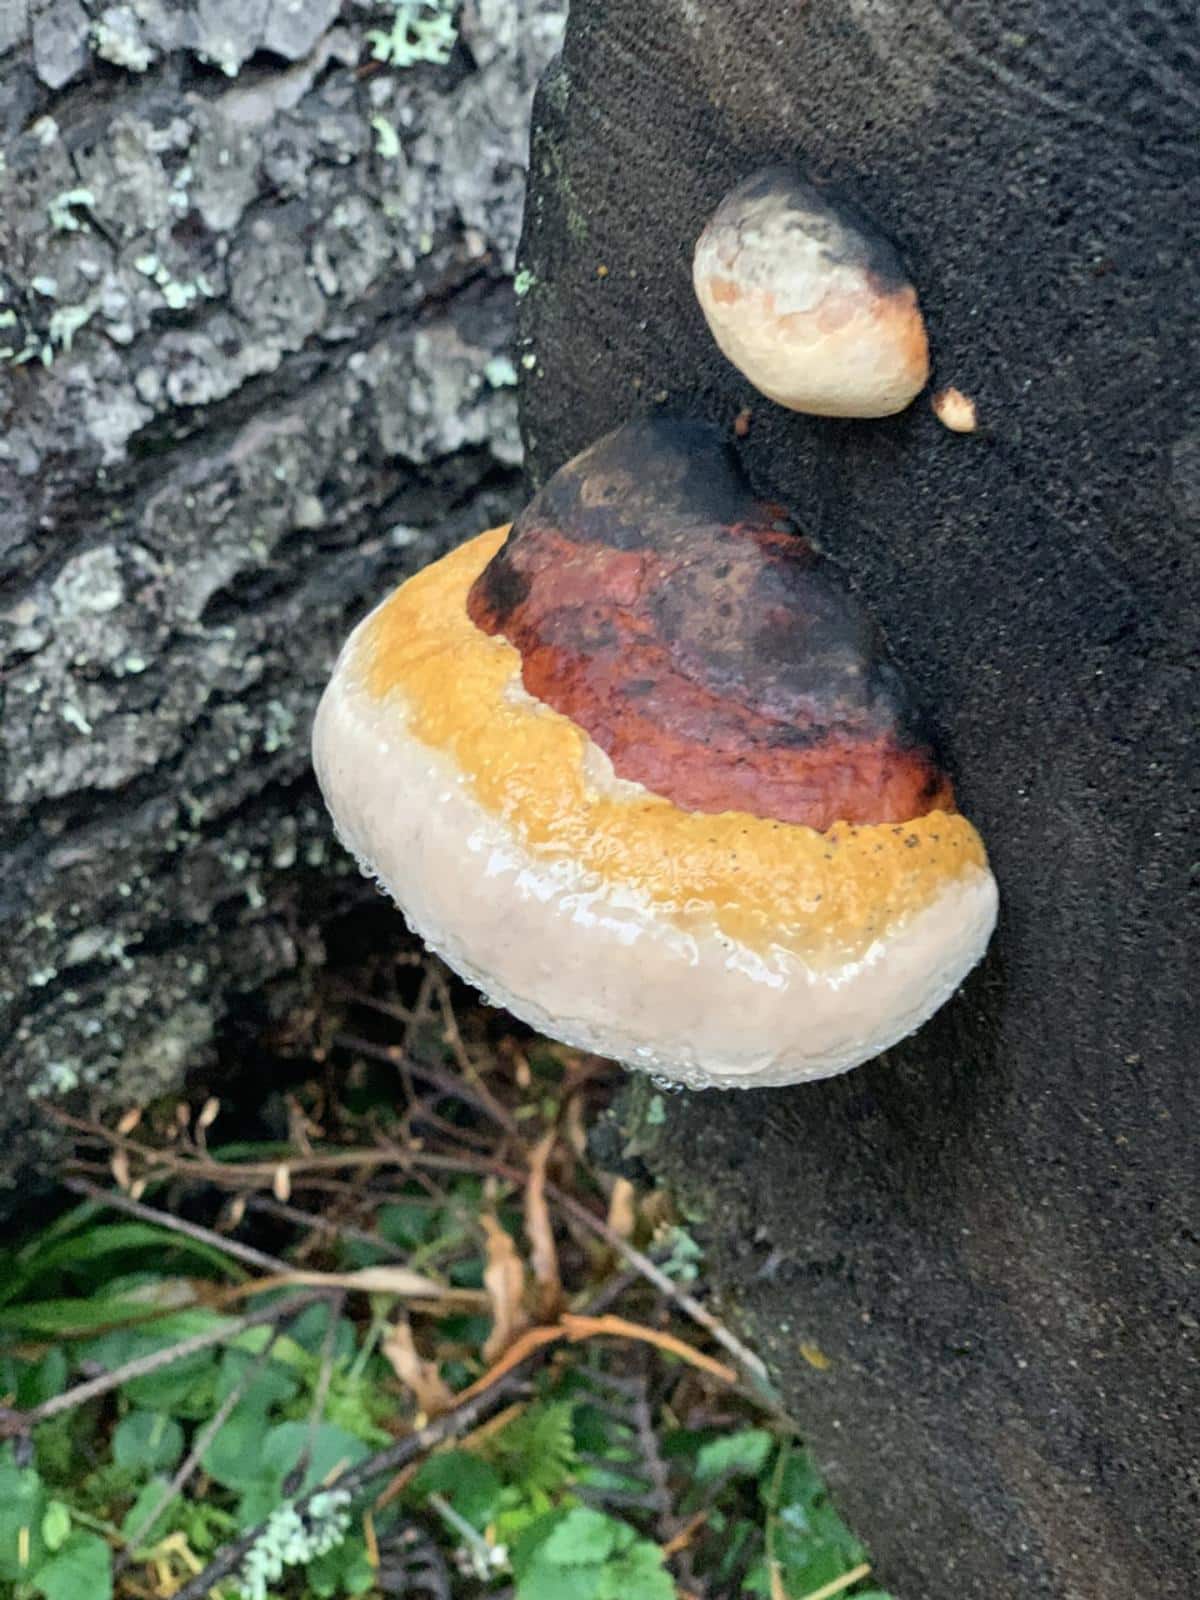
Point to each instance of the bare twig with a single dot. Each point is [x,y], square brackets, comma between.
[473,1093]
[320,1394]
[22,1422]
[164,1219]
[245,1173]
[840,1585]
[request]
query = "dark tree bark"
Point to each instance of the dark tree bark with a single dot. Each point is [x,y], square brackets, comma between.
[255,315]
[991,1233]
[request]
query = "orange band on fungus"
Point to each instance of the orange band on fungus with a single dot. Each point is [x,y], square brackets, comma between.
[765,883]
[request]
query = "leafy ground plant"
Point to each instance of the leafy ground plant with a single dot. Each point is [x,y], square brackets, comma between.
[406,1341]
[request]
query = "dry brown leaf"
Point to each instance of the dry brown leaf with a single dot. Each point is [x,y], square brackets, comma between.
[539,1229]
[209,1113]
[281,1183]
[433,1395]
[574,1125]
[366,1280]
[504,1280]
[120,1169]
[129,1120]
[622,1208]
[576,1327]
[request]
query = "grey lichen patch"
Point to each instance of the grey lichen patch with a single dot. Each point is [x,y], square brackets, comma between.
[260,364]
[60,42]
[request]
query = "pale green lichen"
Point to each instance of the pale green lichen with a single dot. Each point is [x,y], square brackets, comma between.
[523,282]
[177,295]
[292,1540]
[57,1077]
[422,30]
[280,726]
[117,37]
[61,214]
[500,372]
[66,323]
[387,140]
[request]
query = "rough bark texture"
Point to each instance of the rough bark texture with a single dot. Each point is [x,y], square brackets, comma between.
[255,315]
[991,1233]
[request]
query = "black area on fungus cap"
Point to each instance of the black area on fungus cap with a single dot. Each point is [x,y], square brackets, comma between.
[849,237]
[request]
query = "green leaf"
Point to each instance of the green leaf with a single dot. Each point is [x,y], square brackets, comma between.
[272,1385]
[735,1455]
[584,1555]
[56,1525]
[582,1538]
[73,1316]
[22,1506]
[147,1442]
[232,1457]
[82,1570]
[537,1450]
[31,1382]
[309,1328]
[559,1583]
[637,1574]
[184,1388]
[268,1461]
[344,1570]
[148,1497]
[405,1223]
[92,1244]
[812,1544]
[469,1484]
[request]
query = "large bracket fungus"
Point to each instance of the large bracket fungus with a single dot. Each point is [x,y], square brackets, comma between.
[642,771]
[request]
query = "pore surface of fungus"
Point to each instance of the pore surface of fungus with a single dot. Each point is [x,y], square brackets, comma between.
[809,301]
[645,774]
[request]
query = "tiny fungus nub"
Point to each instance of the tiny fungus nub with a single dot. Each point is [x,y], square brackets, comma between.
[955,410]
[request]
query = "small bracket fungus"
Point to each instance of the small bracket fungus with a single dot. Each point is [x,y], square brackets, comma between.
[808,301]
[644,773]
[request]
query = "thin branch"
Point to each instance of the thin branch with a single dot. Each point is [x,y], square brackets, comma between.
[316,1414]
[839,1585]
[473,1093]
[22,1422]
[264,1171]
[164,1219]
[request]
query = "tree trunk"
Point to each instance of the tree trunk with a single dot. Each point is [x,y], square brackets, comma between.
[255,314]
[991,1232]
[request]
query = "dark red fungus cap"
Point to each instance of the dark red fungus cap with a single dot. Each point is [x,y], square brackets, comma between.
[702,643]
